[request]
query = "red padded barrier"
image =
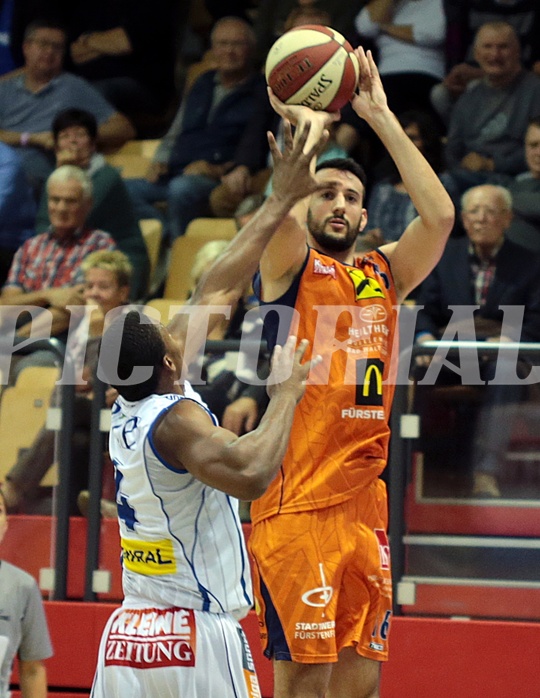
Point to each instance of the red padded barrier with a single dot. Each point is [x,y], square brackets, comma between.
[76,629]
[461,659]
[429,656]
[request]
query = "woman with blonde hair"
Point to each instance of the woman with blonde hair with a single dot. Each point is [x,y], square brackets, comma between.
[107,278]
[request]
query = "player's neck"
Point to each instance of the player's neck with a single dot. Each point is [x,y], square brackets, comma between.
[344,256]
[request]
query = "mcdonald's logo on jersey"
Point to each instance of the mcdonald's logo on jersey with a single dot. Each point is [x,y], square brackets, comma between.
[365,286]
[369,382]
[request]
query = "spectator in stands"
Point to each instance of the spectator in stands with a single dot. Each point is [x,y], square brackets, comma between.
[409,37]
[525,189]
[389,207]
[488,122]
[75,134]
[23,627]
[30,100]
[200,145]
[126,50]
[46,270]
[251,171]
[272,16]
[223,386]
[464,18]
[107,278]
[483,269]
[17,208]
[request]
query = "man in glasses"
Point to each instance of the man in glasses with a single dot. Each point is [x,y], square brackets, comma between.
[30,100]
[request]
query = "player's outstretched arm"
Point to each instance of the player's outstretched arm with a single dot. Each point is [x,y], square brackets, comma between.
[240,466]
[300,116]
[229,276]
[285,253]
[421,246]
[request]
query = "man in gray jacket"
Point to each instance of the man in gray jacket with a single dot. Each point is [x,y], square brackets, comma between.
[488,123]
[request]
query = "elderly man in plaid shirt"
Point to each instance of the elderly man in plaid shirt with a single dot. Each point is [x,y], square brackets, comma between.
[46,270]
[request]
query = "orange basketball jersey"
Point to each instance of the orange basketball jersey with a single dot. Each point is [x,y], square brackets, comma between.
[340,433]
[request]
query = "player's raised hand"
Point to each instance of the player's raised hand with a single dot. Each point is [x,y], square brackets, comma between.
[370,99]
[292,179]
[299,115]
[289,370]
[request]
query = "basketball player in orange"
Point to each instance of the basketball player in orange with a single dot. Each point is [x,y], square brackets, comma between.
[322,568]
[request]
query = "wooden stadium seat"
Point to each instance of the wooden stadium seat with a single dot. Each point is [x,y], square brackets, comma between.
[183,251]
[133,158]
[178,281]
[212,228]
[23,411]
[162,306]
[152,232]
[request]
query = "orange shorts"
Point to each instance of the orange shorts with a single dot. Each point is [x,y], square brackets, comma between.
[322,580]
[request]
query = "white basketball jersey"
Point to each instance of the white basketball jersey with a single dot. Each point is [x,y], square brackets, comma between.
[182,541]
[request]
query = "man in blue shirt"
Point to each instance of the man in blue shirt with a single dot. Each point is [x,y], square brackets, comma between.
[30,101]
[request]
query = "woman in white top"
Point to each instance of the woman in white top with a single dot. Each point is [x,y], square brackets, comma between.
[409,36]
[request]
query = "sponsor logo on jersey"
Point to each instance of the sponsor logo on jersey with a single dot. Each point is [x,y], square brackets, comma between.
[315,631]
[373,313]
[365,286]
[369,382]
[357,413]
[384,548]
[152,638]
[148,557]
[326,269]
[319,597]
[376,646]
[248,666]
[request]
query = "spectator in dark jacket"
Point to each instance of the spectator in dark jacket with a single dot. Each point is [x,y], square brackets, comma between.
[487,271]
[199,147]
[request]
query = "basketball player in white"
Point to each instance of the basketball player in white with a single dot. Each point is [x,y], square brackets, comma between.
[186,573]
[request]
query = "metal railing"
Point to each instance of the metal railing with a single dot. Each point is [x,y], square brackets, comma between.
[405,429]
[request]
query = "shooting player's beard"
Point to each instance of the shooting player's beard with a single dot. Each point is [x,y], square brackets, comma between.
[333,242]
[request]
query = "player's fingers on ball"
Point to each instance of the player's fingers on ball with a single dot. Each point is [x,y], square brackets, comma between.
[372,65]
[274,101]
[362,61]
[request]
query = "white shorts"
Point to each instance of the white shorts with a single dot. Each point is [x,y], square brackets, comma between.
[173,652]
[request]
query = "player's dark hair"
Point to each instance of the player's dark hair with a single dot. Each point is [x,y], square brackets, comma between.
[75,117]
[141,344]
[345,165]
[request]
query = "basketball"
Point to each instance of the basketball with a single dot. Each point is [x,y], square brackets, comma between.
[314,66]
